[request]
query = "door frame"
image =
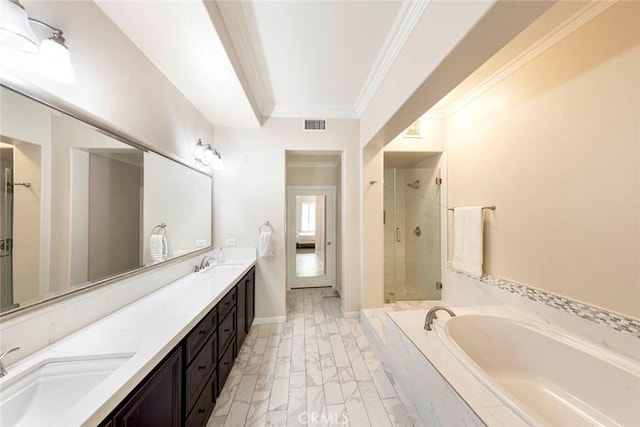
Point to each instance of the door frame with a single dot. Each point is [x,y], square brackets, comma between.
[330,231]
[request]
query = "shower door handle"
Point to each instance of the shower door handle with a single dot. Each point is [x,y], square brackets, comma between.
[398,234]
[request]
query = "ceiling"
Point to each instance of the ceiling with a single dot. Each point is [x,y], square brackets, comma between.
[239,62]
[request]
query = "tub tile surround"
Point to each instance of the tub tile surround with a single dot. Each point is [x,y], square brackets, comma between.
[613,331]
[147,329]
[454,396]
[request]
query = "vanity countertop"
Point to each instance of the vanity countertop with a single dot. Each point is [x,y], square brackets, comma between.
[148,328]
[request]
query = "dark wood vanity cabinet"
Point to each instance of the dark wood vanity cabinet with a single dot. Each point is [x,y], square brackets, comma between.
[182,390]
[158,400]
[245,306]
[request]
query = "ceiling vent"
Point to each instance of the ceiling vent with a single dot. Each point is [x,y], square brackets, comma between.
[320,125]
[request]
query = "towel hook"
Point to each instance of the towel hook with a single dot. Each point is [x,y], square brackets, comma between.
[266,224]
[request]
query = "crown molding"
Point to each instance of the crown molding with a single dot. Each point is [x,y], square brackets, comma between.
[249,52]
[563,30]
[315,111]
[402,27]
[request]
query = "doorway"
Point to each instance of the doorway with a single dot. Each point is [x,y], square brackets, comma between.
[311,254]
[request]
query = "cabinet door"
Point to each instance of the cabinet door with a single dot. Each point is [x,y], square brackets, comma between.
[241,312]
[251,298]
[158,402]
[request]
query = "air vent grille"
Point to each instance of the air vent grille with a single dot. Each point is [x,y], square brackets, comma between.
[320,125]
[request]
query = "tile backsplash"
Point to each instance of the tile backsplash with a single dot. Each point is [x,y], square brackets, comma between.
[605,328]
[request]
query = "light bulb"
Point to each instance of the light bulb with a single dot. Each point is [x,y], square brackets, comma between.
[208,156]
[15,31]
[55,61]
[198,151]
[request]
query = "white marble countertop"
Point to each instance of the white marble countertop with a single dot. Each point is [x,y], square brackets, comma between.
[149,329]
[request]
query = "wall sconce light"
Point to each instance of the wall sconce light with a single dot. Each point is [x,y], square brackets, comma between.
[207,156]
[53,59]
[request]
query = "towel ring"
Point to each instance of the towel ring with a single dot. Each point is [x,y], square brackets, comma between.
[266,224]
[160,229]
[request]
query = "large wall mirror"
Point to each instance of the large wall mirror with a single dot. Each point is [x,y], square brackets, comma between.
[79,206]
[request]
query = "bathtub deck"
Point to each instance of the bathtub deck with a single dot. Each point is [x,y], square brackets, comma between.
[376,316]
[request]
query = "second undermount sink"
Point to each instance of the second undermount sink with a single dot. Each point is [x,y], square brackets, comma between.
[218,268]
[43,394]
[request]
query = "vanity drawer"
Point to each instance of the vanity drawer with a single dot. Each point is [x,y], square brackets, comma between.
[200,334]
[224,366]
[226,330]
[199,371]
[204,406]
[226,303]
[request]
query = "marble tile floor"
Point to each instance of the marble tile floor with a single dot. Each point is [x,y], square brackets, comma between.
[309,264]
[317,368]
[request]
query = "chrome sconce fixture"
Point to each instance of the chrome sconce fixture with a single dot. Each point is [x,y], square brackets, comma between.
[207,155]
[52,59]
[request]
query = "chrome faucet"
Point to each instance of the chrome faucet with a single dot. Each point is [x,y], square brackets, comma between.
[3,369]
[204,263]
[431,315]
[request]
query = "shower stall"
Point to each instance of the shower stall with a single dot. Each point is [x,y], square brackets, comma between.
[411,234]
[6,227]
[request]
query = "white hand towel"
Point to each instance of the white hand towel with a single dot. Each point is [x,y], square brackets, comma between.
[156,247]
[267,247]
[467,249]
[165,247]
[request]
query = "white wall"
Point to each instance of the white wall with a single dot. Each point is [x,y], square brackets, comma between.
[114,81]
[248,194]
[178,197]
[117,84]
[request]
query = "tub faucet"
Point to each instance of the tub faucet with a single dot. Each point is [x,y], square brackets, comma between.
[3,369]
[204,263]
[431,314]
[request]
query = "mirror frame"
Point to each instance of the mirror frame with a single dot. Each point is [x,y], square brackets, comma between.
[100,125]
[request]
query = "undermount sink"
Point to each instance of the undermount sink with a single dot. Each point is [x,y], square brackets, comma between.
[218,268]
[47,391]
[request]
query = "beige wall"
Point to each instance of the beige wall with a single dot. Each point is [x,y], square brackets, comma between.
[313,175]
[114,216]
[26,221]
[555,147]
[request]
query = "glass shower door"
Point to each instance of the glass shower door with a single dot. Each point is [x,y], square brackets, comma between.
[412,234]
[6,236]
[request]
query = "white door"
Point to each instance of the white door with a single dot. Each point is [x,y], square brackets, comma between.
[311,253]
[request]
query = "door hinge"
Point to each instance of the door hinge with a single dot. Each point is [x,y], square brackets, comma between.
[438,181]
[438,285]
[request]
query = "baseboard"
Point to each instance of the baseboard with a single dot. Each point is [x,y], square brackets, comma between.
[266,320]
[351,314]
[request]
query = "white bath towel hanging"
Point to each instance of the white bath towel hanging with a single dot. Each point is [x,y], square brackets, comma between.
[467,249]
[267,246]
[158,247]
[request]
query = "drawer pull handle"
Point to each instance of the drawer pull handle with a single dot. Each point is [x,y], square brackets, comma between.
[225,363]
[227,330]
[201,332]
[201,411]
[201,367]
[227,303]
